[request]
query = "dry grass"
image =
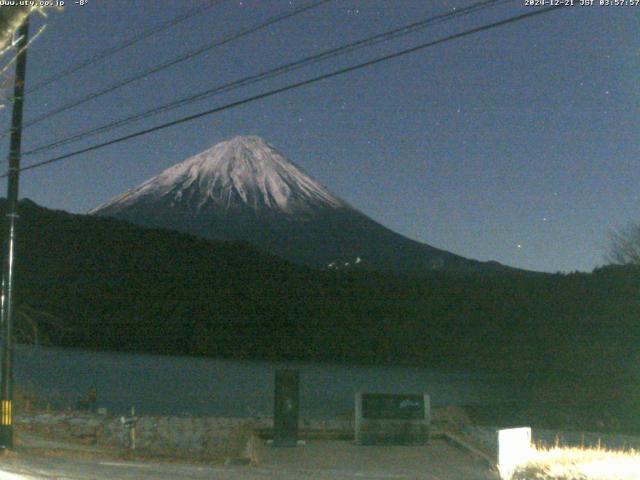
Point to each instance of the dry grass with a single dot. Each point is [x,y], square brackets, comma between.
[564,463]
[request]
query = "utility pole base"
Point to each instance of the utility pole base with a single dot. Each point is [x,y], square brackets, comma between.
[6,437]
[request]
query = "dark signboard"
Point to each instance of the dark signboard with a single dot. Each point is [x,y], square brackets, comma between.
[392,419]
[286,406]
[383,406]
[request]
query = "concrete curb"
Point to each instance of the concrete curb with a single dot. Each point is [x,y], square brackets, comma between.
[475,451]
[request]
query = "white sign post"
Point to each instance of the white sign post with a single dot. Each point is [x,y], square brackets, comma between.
[514,448]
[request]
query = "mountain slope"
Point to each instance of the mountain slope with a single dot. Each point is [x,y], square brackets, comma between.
[103,283]
[244,189]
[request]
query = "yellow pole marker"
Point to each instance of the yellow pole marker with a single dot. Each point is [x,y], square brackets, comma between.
[7,418]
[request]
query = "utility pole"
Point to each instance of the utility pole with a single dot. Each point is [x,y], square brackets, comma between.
[6,384]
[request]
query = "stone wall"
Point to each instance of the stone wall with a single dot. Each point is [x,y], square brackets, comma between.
[201,435]
[193,435]
[204,436]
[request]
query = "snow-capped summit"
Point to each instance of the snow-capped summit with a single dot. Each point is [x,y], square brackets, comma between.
[244,189]
[238,173]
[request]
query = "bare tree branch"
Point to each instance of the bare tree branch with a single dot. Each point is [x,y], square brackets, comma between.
[624,246]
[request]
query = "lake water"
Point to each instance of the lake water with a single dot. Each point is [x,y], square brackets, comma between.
[165,385]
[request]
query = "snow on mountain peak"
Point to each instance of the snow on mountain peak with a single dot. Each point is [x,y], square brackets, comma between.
[243,171]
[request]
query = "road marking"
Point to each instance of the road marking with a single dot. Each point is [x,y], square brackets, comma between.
[334,473]
[119,464]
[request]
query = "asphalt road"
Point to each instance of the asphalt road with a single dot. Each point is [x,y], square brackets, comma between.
[316,460]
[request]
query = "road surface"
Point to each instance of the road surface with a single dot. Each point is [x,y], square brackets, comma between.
[319,460]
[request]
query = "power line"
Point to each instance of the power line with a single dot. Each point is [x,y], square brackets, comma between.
[389,35]
[293,86]
[107,52]
[179,59]
[287,68]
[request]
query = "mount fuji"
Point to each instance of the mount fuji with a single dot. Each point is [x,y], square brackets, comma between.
[244,189]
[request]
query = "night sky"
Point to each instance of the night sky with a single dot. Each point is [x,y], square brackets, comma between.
[519,144]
